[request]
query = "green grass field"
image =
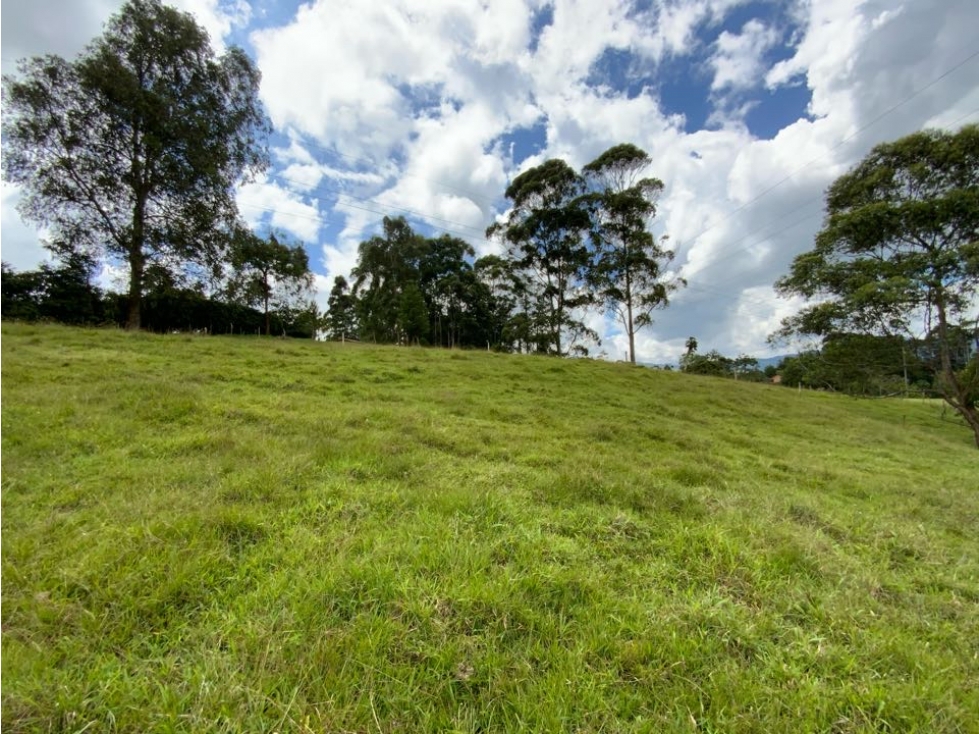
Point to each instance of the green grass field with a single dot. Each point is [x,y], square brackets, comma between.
[206,534]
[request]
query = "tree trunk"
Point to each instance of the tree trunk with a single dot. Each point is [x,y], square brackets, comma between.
[558,320]
[952,391]
[630,328]
[136,265]
[268,320]
[141,190]
[135,296]
[632,341]
[972,418]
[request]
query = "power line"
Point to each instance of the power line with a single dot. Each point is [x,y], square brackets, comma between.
[772,234]
[958,120]
[736,250]
[422,215]
[849,137]
[729,253]
[271,210]
[431,218]
[759,306]
[436,228]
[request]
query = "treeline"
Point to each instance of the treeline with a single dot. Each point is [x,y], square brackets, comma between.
[162,206]
[715,364]
[410,289]
[869,365]
[65,293]
[132,152]
[854,364]
[571,242]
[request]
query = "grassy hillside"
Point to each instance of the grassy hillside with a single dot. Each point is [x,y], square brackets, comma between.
[217,534]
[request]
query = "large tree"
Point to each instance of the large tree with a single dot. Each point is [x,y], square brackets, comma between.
[461,306]
[409,288]
[340,321]
[899,253]
[386,267]
[412,318]
[503,288]
[446,281]
[268,272]
[133,148]
[627,262]
[545,234]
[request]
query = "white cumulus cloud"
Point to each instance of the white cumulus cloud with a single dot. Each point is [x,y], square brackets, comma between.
[738,58]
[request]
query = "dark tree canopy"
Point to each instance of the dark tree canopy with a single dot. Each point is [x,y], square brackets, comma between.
[545,233]
[419,290]
[899,252]
[133,148]
[267,272]
[446,281]
[507,323]
[861,364]
[64,293]
[386,266]
[412,316]
[715,364]
[340,321]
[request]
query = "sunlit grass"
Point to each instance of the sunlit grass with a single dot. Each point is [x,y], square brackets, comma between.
[218,534]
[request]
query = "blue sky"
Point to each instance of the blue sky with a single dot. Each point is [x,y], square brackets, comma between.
[428,108]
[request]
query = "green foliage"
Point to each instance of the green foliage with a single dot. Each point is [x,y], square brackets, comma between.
[425,290]
[745,367]
[969,380]
[63,294]
[502,288]
[626,269]
[802,370]
[135,146]
[299,320]
[340,321]
[712,363]
[715,364]
[458,305]
[899,249]
[412,314]
[861,364]
[576,241]
[269,273]
[544,233]
[21,294]
[385,267]
[280,535]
